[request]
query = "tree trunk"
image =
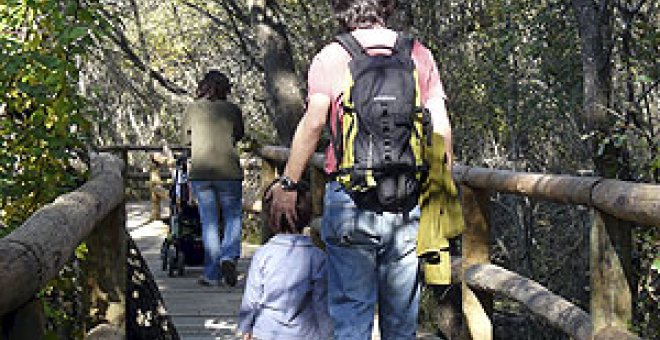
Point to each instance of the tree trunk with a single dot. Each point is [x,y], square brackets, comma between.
[595,27]
[286,102]
[594,24]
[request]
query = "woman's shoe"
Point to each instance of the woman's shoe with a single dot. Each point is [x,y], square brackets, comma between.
[229,273]
[202,281]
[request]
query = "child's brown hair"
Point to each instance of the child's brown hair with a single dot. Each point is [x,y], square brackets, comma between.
[303,210]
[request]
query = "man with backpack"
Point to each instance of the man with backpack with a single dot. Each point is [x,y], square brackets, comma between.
[380,94]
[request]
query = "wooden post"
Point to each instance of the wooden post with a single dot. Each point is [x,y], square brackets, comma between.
[124,158]
[154,185]
[611,276]
[477,306]
[449,313]
[268,175]
[26,322]
[105,268]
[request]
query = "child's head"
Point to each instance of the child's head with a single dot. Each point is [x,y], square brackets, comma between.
[303,210]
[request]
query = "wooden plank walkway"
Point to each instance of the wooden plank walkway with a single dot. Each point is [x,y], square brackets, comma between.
[198,313]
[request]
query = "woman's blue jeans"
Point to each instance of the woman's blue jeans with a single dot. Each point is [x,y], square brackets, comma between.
[371,261]
[228,196]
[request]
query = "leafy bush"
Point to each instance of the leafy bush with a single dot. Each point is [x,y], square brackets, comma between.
[44,123]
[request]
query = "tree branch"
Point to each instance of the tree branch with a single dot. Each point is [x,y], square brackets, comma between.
[242,43]
[118,37]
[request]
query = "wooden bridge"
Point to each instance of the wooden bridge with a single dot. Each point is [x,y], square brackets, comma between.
[124,298]
[198,313]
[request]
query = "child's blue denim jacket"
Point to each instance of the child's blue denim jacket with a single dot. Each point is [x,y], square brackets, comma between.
[286,291]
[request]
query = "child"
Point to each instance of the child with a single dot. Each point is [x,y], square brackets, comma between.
[286,294]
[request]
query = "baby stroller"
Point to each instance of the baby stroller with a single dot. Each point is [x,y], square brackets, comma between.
[183,245]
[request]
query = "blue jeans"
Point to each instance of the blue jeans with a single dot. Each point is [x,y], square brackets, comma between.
[371,260]
[229,195]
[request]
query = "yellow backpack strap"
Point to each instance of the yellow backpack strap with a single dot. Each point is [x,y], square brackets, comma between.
[346,127]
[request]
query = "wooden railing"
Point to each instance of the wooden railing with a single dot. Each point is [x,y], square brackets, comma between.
[95,213]
[34,253]
[615,206]
[158,175]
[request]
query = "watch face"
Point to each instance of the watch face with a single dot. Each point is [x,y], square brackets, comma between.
[287,183]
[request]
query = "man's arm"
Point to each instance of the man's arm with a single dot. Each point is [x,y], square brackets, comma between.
[303,146]
[307,135]
[441,124]
[435,98]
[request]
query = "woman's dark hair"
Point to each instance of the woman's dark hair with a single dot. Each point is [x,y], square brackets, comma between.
[214,86]
[354,14]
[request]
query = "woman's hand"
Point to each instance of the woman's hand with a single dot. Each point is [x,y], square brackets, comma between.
[283,204]
[247,336]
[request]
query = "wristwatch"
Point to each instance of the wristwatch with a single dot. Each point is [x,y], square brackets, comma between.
[287,183]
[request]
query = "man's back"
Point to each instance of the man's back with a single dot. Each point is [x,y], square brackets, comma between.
[327,73]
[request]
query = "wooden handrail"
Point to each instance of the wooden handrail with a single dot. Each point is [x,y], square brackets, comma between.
[556,310]
[34,253]
[611,196]
[614,202]
[146,148]
[280,154]
[608,195]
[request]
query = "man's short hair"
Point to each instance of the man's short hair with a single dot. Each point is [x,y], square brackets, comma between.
[354,14]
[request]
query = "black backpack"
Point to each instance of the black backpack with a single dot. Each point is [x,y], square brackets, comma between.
[380,139]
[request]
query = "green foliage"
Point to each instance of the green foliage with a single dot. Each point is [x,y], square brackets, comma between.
[647,300]
[63,303]
[44,123]
[512,71]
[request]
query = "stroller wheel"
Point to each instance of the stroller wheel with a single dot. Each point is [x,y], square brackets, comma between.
[172,259]
[181,264]
[172,267]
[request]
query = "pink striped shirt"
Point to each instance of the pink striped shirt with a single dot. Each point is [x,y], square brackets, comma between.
[327,73]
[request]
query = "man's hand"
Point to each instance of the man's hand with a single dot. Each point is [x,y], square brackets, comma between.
[247,336]
[283,204]
[304,142]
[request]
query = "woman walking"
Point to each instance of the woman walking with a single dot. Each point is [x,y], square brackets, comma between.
[213,125]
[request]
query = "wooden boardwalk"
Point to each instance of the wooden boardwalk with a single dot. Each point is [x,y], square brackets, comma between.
[198,313]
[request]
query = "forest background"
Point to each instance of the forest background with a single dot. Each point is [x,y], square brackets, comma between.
[551,86]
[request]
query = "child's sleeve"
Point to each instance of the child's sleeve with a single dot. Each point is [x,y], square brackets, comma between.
[320,297]
[251,295]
